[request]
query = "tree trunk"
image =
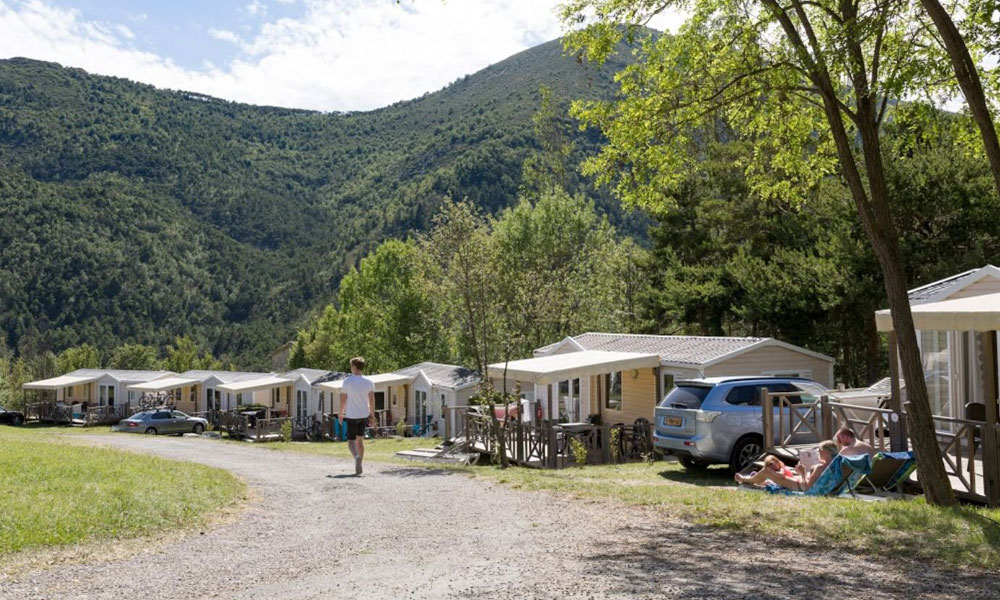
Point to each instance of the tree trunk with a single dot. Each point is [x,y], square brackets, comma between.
[878,224]
[968,80]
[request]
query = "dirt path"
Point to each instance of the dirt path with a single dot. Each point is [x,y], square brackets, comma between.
[401,532]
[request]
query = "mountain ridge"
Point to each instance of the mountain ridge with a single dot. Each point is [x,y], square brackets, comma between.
[134,214]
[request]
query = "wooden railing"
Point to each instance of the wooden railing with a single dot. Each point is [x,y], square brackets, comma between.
[551,446]
[49,412]
[970,449]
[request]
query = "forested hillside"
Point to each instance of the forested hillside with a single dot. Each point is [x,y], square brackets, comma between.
[132,214]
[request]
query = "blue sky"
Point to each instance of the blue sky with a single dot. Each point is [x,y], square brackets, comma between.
[181,29]
[318,54]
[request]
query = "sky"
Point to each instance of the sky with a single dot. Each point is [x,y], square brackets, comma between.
[329,55]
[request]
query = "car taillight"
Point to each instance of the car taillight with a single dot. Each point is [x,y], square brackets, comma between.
[132,424]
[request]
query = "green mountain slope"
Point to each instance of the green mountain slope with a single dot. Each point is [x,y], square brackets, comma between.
[136,214]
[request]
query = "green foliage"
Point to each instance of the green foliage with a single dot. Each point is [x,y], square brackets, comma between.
[184,355]
[84,356]
[578,450]
[134,356]
[385,315]
[131,213]
[476,290]
[286,431]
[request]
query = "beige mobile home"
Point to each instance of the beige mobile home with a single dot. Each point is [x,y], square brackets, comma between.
[621,377]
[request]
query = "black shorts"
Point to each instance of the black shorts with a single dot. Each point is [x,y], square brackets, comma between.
[356,428]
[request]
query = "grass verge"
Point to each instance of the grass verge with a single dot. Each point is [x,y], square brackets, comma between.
[963,537]
[57,493]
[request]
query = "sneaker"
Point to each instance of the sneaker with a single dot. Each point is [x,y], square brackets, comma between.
[357,465]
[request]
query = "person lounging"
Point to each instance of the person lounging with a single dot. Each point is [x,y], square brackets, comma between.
[776,472]
[849,444]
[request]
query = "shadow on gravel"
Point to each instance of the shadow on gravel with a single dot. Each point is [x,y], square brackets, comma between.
[701,562]
[417,472]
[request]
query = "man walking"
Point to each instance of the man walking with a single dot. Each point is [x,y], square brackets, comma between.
[357,406]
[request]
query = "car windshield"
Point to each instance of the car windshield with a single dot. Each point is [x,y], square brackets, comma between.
[813,391]
[686,396]
[179,415]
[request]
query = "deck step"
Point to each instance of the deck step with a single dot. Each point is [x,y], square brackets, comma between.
[430,455]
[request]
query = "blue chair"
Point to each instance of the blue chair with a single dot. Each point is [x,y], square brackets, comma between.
[841,475]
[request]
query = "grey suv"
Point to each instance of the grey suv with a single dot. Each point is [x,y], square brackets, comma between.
[717,420]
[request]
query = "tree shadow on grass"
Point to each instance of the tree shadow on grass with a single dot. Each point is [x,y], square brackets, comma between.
[719,477]
[693,561]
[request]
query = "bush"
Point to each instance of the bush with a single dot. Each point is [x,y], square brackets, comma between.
[286,431]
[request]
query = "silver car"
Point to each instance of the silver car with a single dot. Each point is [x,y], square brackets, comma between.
[162,421]
[718,420]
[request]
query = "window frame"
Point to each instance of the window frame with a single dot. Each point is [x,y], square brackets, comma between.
[611,381]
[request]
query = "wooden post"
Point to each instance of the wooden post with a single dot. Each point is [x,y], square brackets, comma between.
[991,442]
[767,418]
[897,425]
[605,443]
[548,388]
[552,452]
[826,415]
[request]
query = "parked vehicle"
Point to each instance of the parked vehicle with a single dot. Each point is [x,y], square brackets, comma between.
[718,420]
[11,417]
[156,422]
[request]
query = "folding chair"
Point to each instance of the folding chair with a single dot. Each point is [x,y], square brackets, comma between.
[888,472]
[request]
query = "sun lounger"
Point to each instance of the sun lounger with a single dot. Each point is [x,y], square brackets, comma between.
[889,471]
[840,477]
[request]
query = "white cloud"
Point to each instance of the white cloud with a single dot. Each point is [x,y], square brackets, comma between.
[340,55]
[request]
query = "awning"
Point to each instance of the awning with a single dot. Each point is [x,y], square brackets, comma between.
[160,385]
[56,383]
[380,380]
[975,313]
[559,367]
[251,385]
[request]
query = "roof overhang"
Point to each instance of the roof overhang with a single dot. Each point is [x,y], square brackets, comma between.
[553,368]
[164,384]
[252,385]
[974,313]
[56,383]
[380,380]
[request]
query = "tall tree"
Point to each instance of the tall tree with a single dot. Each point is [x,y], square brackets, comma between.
[134,356]
[809,83]
[83,356]
[185,355]
[967,75]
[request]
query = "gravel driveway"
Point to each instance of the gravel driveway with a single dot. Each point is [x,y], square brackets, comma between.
[399,532]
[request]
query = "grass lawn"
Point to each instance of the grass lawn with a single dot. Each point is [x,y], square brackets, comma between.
[58,493]
[963,537]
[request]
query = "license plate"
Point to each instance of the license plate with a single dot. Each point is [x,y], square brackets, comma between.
[673,421]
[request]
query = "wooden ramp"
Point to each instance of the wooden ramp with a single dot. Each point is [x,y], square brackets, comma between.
[456,453]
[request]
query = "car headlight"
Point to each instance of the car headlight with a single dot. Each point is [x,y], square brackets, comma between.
[707,416]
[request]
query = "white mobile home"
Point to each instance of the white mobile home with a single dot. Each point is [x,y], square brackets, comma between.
[436,390]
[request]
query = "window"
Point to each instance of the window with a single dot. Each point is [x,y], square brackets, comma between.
[613,388]
[322,402]
[379,401]
[275,397]
[744,395]
[666,383]
[686,396]
[68,392]
[301,404]
[239,399]
[193,396]
[111,395]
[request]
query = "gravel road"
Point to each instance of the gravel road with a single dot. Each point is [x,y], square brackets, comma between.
[314,531]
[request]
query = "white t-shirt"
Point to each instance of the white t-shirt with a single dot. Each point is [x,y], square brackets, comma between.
[357,387]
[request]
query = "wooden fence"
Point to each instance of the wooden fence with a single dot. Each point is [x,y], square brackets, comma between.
[52,412]
[970,449]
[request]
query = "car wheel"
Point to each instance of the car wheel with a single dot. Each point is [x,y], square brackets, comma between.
[16,421]
[693,464]
[746,450]
[151,430]
[198,428]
